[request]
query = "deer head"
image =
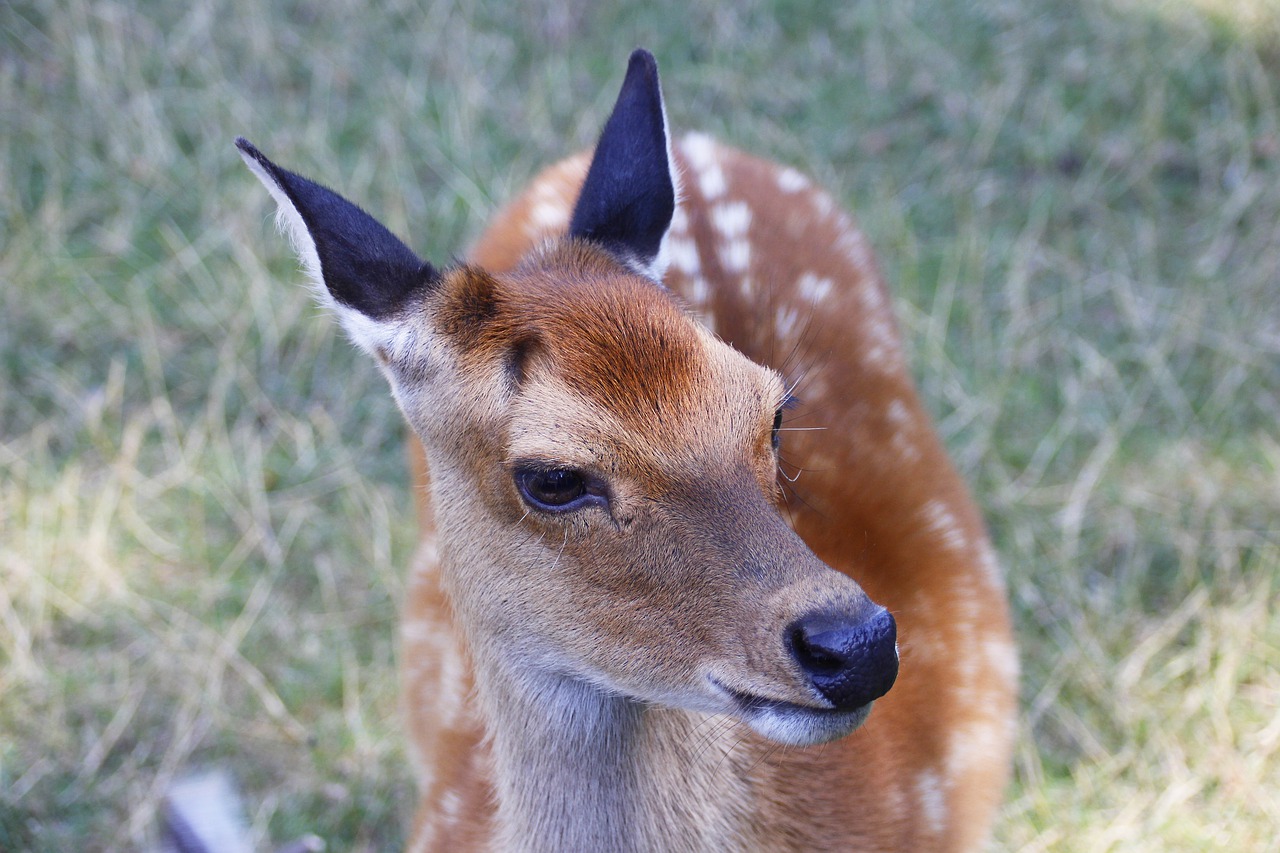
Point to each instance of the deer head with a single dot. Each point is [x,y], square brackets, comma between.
[604,468]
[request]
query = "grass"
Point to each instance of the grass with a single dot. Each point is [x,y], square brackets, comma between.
[204,512]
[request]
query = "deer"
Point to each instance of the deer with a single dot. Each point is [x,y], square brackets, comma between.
[684,519]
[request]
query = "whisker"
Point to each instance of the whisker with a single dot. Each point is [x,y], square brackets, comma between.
[707,735]
[561,551]
[793,494]
[791,391]
[762,758]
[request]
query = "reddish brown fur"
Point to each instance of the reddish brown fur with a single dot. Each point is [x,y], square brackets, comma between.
[876,498]
[599,324]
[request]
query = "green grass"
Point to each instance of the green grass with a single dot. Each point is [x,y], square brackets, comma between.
[204,511]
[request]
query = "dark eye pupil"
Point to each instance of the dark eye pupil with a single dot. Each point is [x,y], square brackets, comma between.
[556,487]
[777,425]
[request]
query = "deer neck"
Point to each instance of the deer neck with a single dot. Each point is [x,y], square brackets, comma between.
[581,769]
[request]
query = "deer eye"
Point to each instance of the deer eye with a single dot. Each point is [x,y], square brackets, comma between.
[557,489]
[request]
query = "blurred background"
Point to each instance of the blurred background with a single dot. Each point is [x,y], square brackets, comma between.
[204,510]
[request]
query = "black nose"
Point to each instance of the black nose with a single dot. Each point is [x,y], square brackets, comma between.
[850,660]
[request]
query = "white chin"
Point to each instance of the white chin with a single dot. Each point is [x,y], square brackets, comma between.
[796,726]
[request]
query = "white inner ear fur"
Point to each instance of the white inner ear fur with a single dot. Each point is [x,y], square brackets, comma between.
[291,226]
[378,339]
[656,269]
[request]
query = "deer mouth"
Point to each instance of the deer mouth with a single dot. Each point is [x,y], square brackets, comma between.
[791,723]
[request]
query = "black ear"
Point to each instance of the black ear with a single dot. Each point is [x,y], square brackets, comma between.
[629,195]
[361,264]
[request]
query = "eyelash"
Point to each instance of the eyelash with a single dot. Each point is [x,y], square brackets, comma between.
[788,402]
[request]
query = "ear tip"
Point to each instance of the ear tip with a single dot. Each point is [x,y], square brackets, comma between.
[642,63]
[643,56]
[249,152]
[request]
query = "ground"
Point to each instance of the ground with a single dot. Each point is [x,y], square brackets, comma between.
[204,511]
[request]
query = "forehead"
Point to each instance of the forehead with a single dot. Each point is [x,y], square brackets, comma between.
[622,347]
[626,348]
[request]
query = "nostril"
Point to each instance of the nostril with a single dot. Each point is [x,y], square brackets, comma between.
[850,660]
[819,652]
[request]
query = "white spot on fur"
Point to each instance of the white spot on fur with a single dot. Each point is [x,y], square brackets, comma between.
[450,805]
[871,297]
[449,701]
[698,290]
[941,522]
[684,257]
[814,386]
[933,801]
[899,418]
[746,285]
[990,566]
[548,190]
[424,838]
[930,645]
[897,413]
[549,215]
[904,447]
[735,256]
[880,344]
[975,743]
[785,321]
[855,249]
[712,182]
[419,631]
[823,204]
[701,151]
[970,603]
[732,218]
[876,356]
[425,567]
[791,181]
[1002,656]
[813,287]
